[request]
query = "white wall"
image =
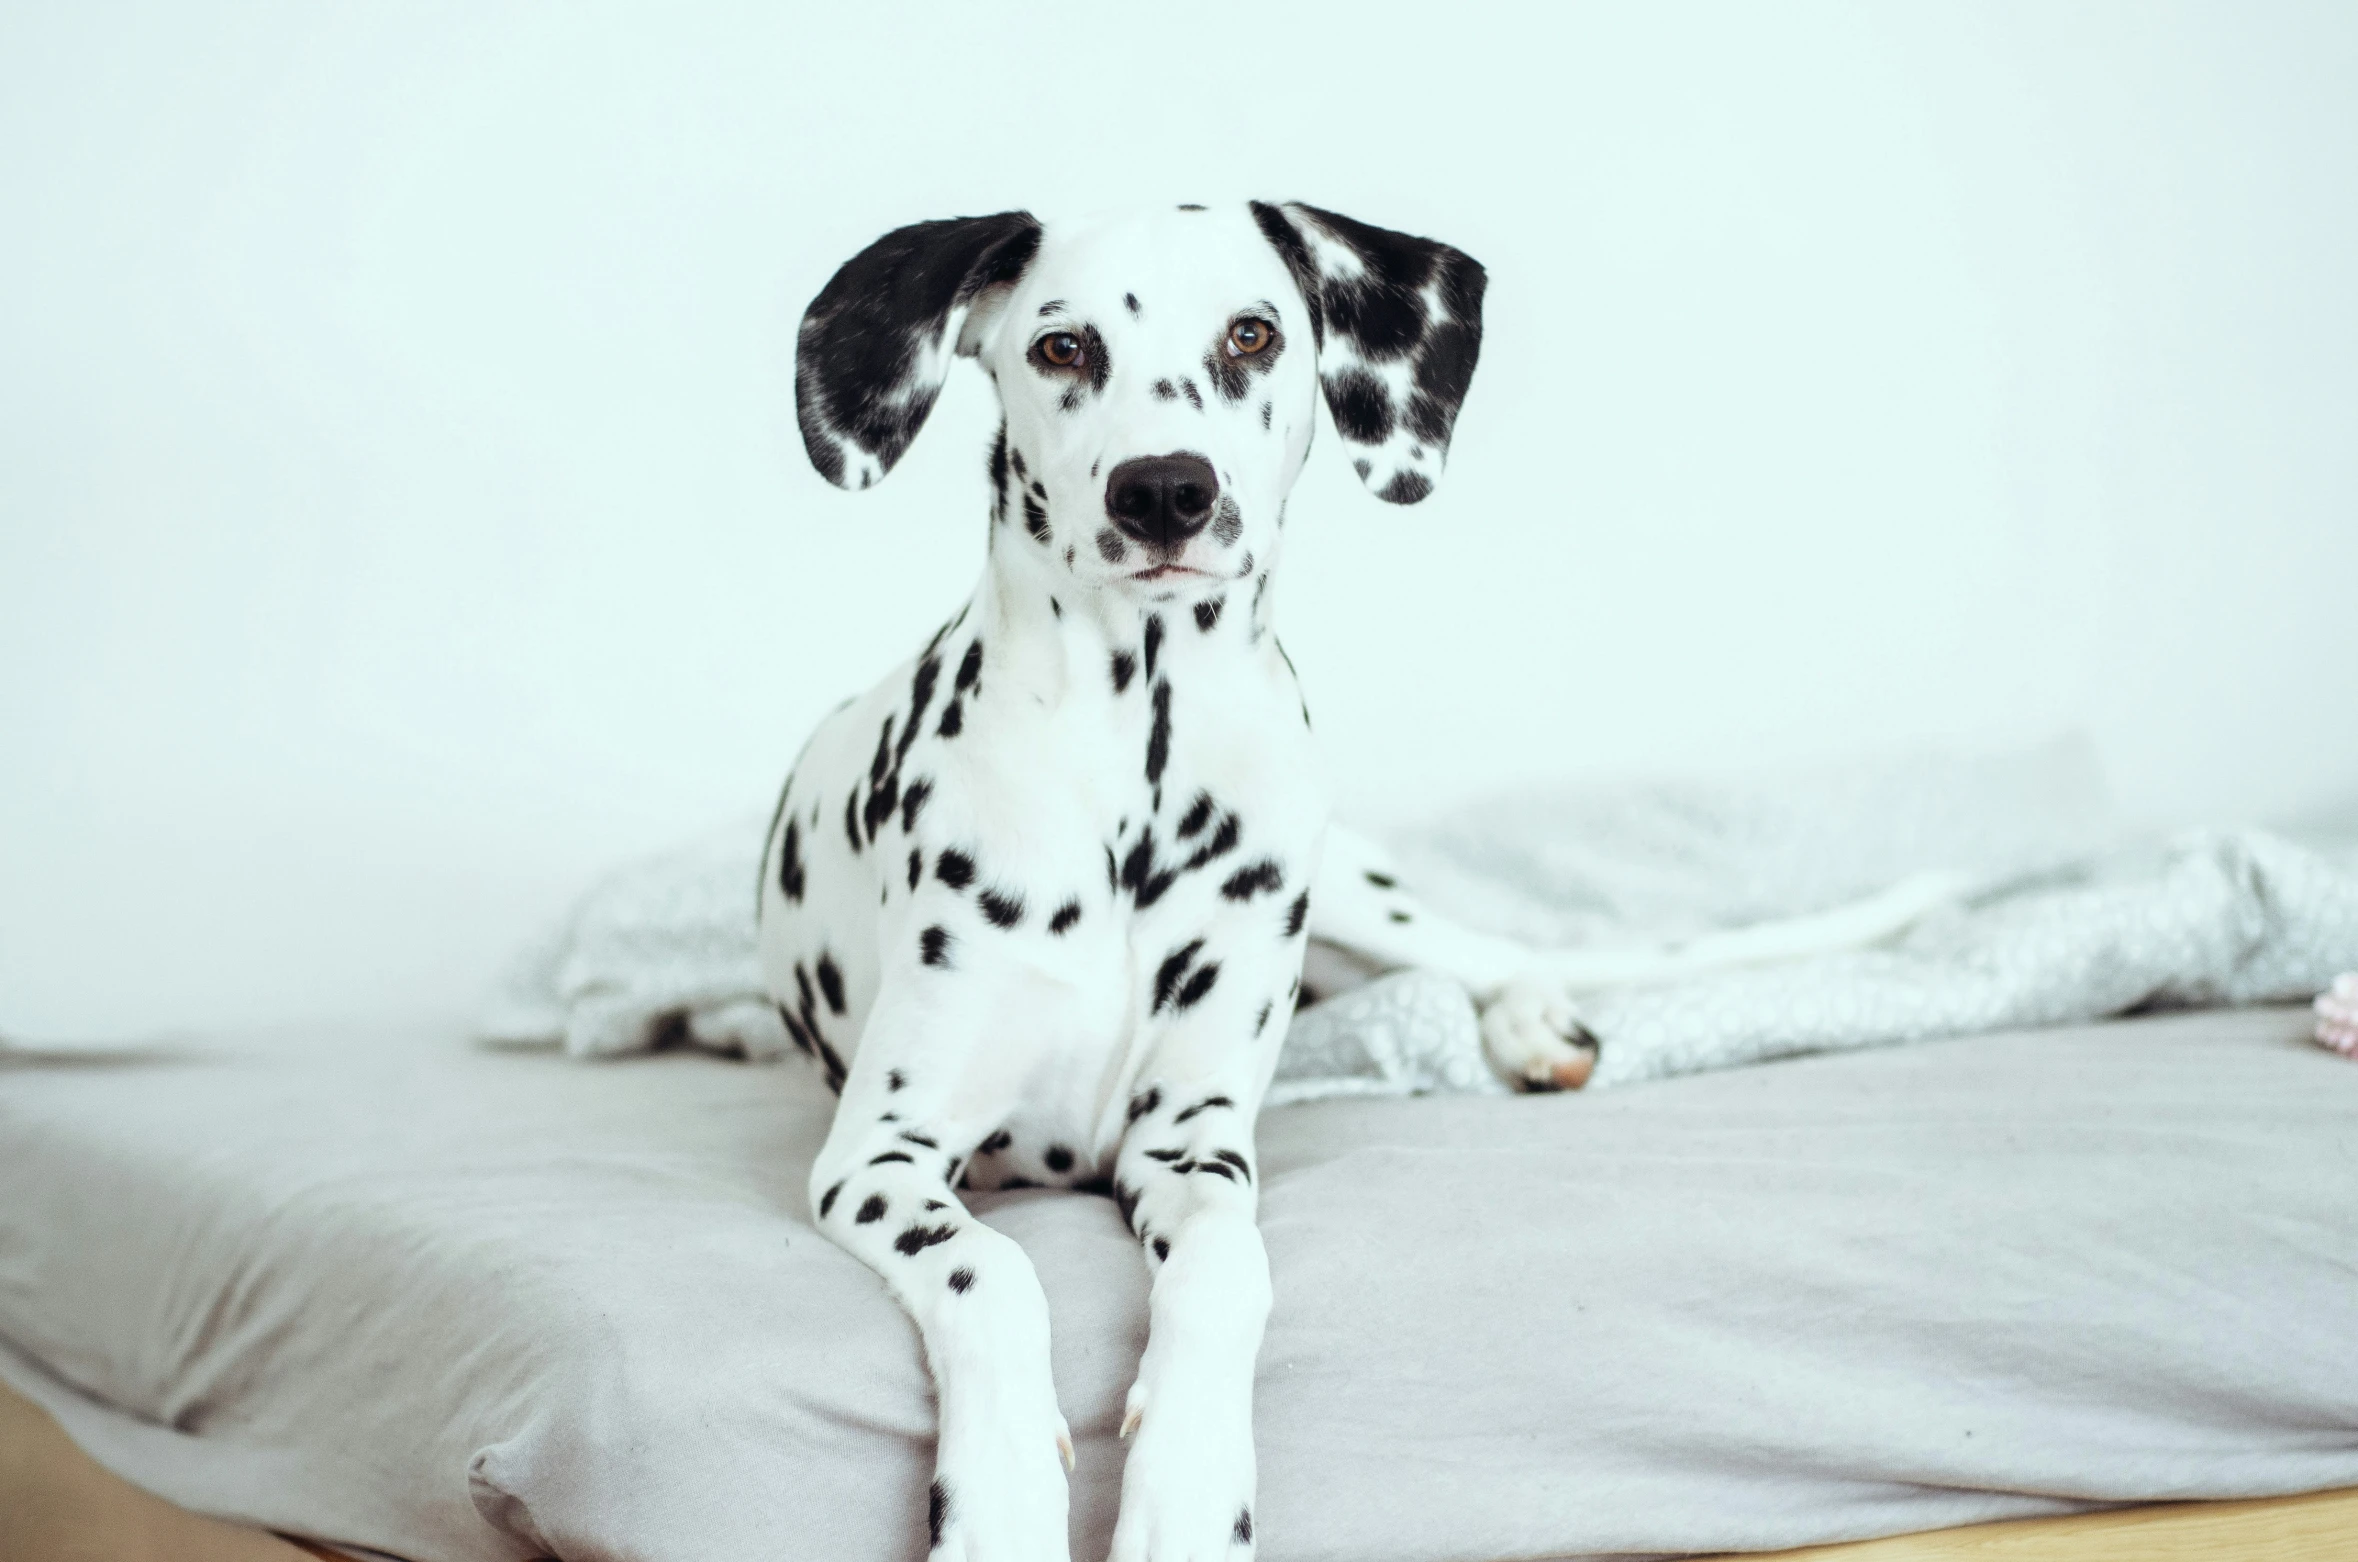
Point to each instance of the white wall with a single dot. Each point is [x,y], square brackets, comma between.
[400,515]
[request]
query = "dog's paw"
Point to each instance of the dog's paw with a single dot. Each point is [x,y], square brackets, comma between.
[1187,1491]
[1000,1497]
[1534,1036]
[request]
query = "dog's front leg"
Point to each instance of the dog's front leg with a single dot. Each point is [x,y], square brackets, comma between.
[919,1097]
[1186,1177]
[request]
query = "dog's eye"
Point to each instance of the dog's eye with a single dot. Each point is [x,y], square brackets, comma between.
[1059,349]
[1249,336]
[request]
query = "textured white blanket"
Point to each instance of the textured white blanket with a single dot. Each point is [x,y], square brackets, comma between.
[2068,921]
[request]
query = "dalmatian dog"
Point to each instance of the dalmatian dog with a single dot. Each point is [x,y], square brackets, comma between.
[1037,904]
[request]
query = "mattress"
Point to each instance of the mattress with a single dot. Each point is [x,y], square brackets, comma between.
[392,1291]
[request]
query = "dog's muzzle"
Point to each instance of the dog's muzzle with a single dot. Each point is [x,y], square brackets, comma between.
[1162,501]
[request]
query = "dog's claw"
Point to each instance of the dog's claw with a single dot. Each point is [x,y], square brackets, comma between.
[1064,1446]
[1132,1412]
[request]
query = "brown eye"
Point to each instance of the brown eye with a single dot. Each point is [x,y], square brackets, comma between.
[1061,349]
[1249,336]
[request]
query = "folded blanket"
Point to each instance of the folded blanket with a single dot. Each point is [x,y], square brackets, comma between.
[2067,920]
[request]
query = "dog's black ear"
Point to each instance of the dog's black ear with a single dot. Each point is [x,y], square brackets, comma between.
[877,341]
[1399,324]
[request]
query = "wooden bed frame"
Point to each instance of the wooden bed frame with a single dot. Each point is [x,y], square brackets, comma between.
[57,1504]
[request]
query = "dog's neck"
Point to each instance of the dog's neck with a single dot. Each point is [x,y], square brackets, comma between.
[1049,633]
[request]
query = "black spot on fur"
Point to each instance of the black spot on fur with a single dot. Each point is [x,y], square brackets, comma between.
[1381,880]
[851,820]
[790,870]
[1162,1247]
[872,1211]
[1035,518]
[1247,882]
[1110,546]
[1237,1161]
[1261,1022]
[1059,1158]
[1198,985]
[1154,640]
[1164,390]
[937,1511]
[1167,975]
[892,1155]
[913,801]
[883,798]
[894,1079]
[1207,613]
[1243,1533]
[917,1239]
[1002,910]
[1296,913]
[921,687]
[1222,842]
[953,721]
[1066,915]
[831,982]
[1145,881]
[969,668]
[1130,302]
[933,945]
[1165,1156]
[1229,376]
[1406,488]
[916,866]
[1266,409]
[827,1201]
[1140,1105]
[1401,916]
[1213,1169]
[1199,814]
[914,1137]
[961,1280]
[998,1141]
[1205,1105]
[1195,398]
[1228,525]
[1158,741]
[1013,1184]
[1362,407]
[954,868]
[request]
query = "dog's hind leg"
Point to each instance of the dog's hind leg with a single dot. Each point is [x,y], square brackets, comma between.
[1529,997]
[918,1100]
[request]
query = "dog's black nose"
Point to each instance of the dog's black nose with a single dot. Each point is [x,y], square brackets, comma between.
[1162,500]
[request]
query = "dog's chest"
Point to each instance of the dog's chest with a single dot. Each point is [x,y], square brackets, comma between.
[1049,817]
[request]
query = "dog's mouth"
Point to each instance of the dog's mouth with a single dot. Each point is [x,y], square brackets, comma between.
[1169,572]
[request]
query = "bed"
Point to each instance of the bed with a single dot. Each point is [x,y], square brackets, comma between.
[391,1291]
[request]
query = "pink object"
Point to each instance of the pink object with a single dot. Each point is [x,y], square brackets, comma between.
[2337,1015]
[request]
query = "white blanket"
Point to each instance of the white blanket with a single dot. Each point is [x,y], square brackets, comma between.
[2068,920]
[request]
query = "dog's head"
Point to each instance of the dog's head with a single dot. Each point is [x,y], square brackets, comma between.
[1158,374]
